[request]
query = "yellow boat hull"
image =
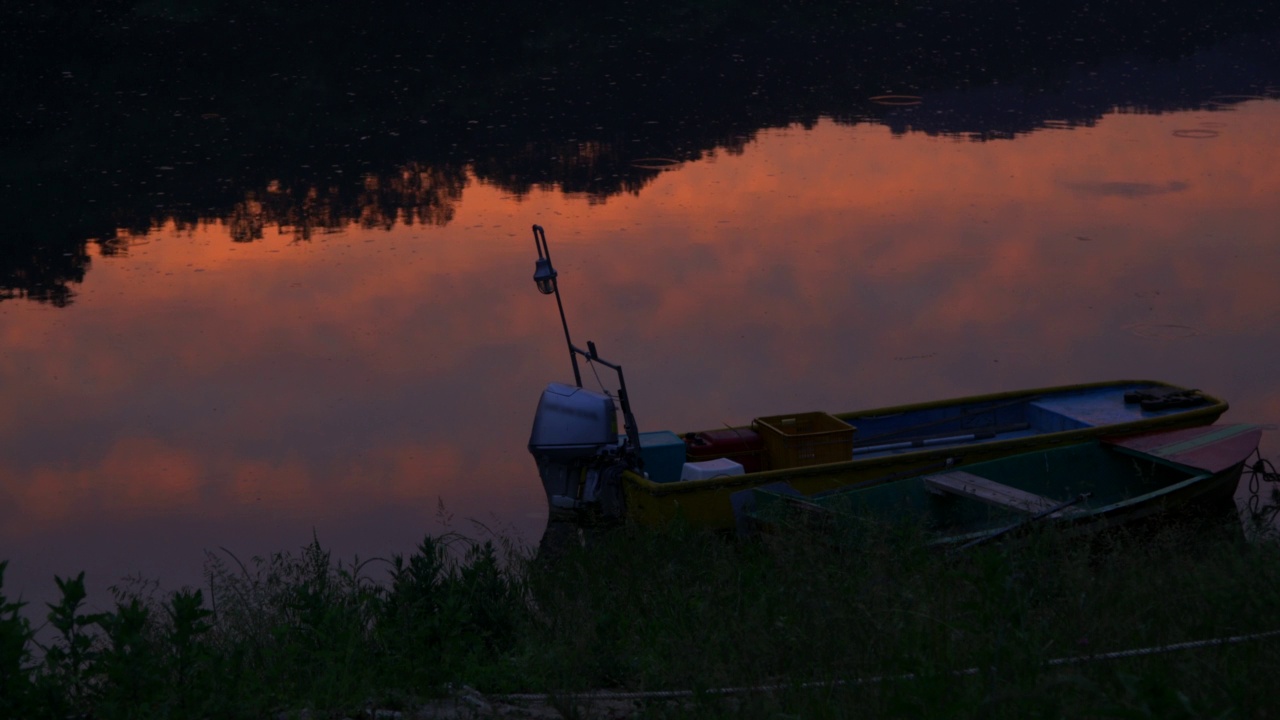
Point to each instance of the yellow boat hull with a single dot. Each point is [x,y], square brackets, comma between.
[706,502]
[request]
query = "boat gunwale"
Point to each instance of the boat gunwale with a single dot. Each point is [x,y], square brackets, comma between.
[1214,407]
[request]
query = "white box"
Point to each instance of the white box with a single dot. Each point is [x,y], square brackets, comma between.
[719,467]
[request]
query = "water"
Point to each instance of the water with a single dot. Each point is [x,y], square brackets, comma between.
[304,361]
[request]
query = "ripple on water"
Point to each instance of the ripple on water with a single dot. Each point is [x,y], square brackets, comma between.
[656,163]
[1220,100]
[1162,331]
[896,99]
[1195,133]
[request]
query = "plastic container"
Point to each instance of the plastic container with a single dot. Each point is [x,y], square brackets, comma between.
[663,454]
[719,467]
[742,445]
[800,440]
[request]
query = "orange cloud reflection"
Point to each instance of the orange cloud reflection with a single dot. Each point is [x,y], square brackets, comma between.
[365,373]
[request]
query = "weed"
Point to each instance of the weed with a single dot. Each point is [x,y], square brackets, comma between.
[887,627]
[15,654]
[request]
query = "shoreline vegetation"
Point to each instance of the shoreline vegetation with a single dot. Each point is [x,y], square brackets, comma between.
[674,623]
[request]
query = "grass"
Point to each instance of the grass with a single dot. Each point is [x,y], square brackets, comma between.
[635,611]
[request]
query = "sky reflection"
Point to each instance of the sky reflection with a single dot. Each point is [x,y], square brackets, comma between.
[203,393]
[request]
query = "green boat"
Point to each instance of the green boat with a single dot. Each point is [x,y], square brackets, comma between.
[1082,486]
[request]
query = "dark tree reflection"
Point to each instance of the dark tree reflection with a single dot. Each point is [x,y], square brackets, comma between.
[42,273]
[125,116]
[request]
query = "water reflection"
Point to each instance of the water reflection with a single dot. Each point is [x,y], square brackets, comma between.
[413,194]
[267,118]
[203,392]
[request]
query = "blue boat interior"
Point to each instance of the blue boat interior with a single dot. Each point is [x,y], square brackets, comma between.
[785,442]
[1010,418]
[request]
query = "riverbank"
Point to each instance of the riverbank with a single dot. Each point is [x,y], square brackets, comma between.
[630,623]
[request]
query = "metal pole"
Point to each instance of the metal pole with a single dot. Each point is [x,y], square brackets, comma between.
[628,419]
[540,240]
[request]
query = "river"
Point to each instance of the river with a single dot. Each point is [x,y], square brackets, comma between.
[362,368]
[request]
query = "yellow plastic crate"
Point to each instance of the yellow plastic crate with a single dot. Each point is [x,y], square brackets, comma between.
[798,440]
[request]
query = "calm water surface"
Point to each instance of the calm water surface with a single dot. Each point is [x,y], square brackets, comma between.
[370,385]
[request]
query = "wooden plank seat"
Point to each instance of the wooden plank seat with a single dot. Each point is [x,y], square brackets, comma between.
[959,482]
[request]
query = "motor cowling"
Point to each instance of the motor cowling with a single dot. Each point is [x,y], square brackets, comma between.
[576,445]
[573,422]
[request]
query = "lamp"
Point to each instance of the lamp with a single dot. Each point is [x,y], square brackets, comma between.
[545,275]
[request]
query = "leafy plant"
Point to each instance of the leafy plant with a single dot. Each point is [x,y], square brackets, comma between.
[15,654]
[887,628]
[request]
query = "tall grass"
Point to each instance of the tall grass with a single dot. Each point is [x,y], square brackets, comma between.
[923,633]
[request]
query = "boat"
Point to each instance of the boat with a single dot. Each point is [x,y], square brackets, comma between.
[693,475]
[591,470]
[885,444]
[1081,487]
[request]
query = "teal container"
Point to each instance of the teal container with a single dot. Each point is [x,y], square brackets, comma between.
[663,455]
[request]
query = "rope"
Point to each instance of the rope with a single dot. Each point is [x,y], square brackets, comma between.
[1190,645]
[1260,471]
[605,695]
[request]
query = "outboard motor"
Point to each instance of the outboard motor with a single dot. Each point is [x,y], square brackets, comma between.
[579,453]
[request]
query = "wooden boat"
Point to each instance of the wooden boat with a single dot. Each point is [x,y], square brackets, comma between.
[693,475]
[1082,486]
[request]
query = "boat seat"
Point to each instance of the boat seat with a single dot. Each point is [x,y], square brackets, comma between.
[958,482]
